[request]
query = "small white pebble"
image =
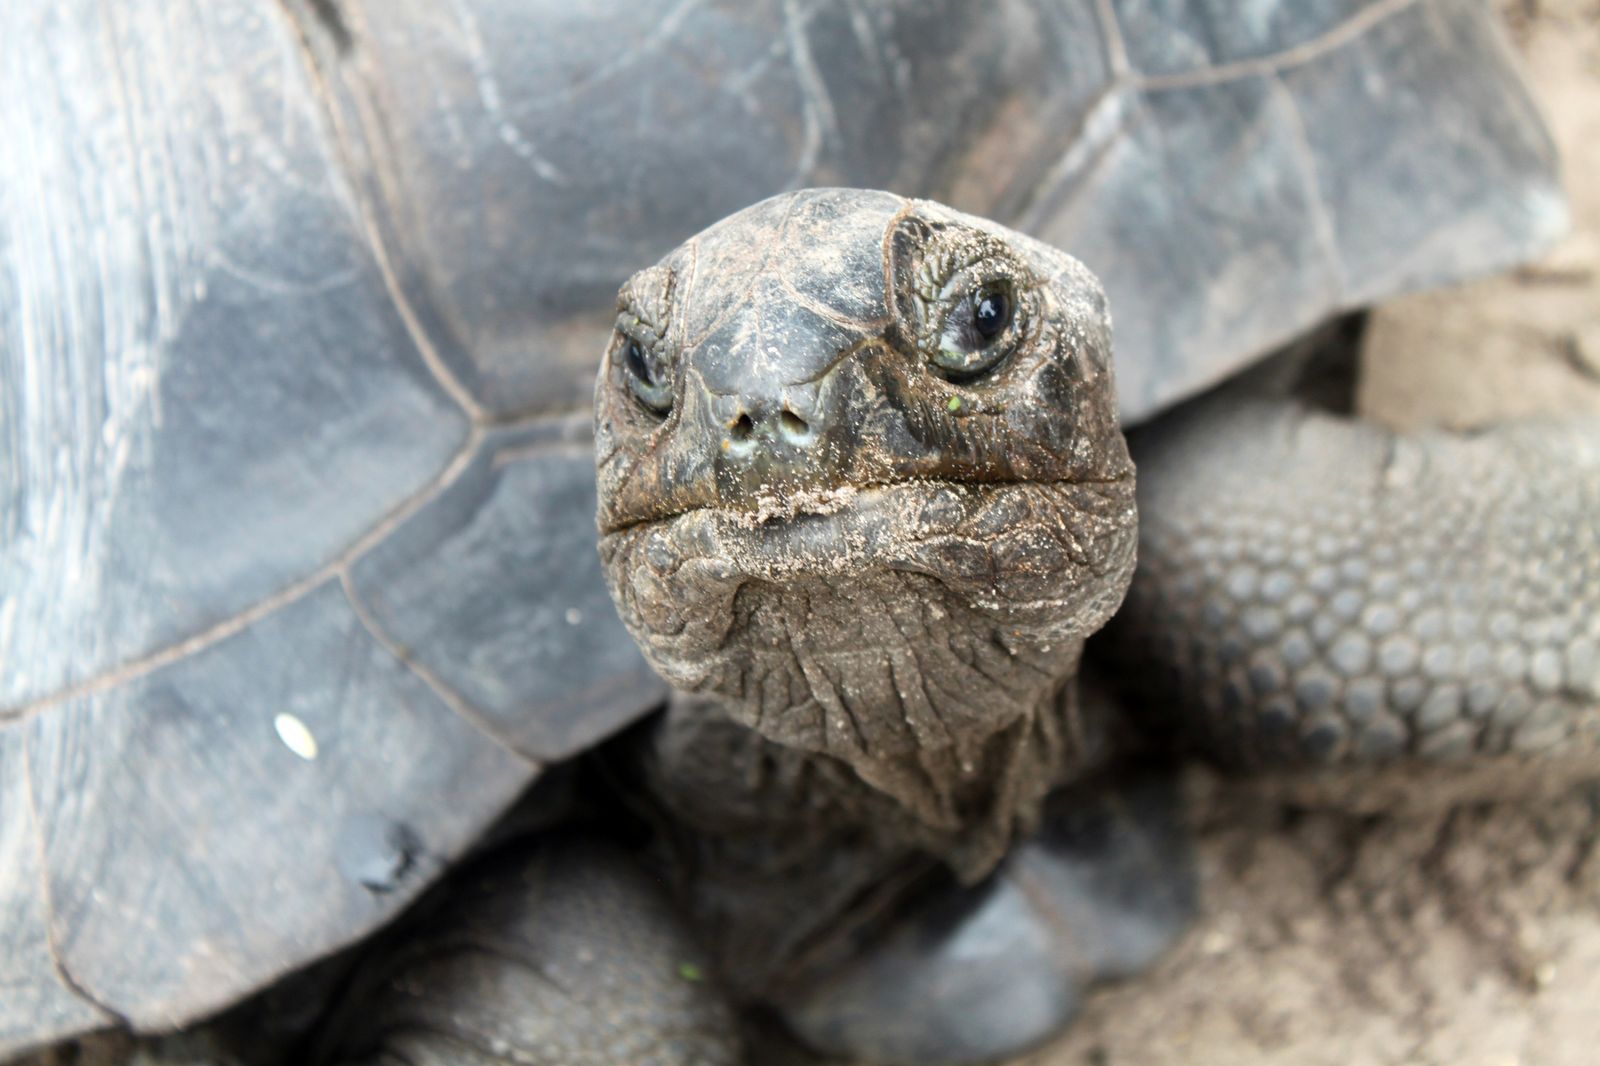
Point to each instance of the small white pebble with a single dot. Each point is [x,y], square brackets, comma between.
[574,616]
[296,736]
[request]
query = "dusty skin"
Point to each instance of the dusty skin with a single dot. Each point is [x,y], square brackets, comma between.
[1471,936]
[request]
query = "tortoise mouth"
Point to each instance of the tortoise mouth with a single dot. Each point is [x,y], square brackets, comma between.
[778,612]
[780,505]
[913,524]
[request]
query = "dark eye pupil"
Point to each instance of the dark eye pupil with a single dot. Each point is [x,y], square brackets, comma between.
[647,376]
[991,314]
[636,364]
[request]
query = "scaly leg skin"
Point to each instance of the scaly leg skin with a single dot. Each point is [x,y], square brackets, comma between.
[565,956]
[974,974]
[1312,589]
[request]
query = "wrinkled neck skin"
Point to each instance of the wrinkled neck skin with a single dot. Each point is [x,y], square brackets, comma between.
[935,660]
[869,533]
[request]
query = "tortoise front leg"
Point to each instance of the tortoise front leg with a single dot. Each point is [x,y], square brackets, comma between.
[983,972]
[813,895]
[1315,589]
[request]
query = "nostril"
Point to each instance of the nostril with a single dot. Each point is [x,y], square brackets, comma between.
[793,425]
[742,428]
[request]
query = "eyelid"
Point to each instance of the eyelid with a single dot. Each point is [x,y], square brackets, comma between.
[634,325]
[652,351]
[937,268]
[644,305]
[655,392]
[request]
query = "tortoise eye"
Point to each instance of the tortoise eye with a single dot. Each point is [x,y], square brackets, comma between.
[991,312]
[971,342]
[647,377]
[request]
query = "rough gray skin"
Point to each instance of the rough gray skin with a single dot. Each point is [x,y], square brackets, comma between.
[872,576]
[299,305]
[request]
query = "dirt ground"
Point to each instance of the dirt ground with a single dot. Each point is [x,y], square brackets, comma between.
[1471,936]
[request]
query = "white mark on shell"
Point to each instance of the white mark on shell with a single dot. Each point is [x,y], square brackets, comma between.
[574,616]
[296,736]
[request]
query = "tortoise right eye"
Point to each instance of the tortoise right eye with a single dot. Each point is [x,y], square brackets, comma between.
[647,378]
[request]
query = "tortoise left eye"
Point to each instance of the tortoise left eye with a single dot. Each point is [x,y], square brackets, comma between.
[991,313]
[971,343]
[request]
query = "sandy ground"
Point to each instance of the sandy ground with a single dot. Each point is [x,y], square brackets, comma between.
[1469,936]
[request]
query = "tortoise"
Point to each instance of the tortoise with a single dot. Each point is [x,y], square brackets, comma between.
[302,312]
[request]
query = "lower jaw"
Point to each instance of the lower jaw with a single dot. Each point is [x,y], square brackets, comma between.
[909,618]
[1033,565]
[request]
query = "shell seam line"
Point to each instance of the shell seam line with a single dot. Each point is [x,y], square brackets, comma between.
[1116,46]
[1124,79]
[63,973]
[236,623]
[452,699]
[819,119]
[378,247]
[1300,54]
[1321,214]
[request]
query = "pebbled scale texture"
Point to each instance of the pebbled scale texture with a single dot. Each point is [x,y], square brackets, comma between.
[1315,590]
